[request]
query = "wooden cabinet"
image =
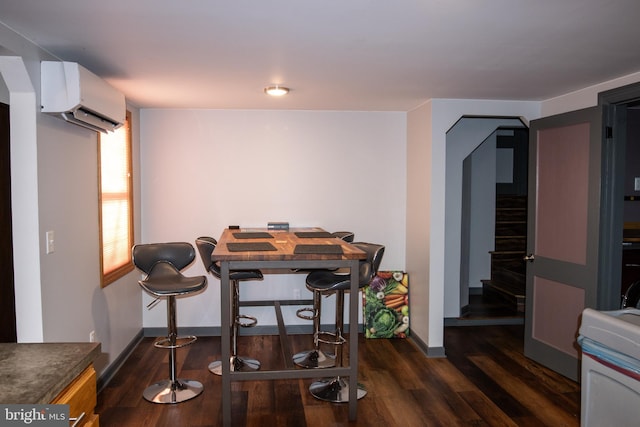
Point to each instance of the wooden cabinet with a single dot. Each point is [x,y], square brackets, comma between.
[81,396]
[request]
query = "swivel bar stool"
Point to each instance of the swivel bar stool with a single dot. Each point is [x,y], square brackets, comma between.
[337,389]
[317,358]
[162,262]
[206,245]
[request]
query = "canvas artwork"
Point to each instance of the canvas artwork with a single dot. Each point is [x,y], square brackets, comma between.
[386,305]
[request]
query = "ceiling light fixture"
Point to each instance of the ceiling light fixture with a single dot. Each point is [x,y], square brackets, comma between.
[276,90]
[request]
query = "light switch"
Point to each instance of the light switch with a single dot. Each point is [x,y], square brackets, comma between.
[50,242]
[636,183]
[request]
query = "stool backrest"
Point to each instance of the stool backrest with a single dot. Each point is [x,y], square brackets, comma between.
[206,246]
[347,236]
[369,267]
[179,254]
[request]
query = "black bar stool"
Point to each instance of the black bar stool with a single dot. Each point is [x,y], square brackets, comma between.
[162,263]
[322,282]
[318,358]
[206,245]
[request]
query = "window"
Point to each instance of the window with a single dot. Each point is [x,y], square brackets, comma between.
[116,202]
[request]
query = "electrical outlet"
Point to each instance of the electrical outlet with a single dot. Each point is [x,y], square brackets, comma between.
[50,238]
[92,336]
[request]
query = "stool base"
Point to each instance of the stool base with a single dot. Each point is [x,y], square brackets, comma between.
[238,364]
[334,390]
[172,392]
[314,359]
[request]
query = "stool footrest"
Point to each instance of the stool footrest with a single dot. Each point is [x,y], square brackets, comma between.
[179,342]
[252,321]
[305,316]
[337,338]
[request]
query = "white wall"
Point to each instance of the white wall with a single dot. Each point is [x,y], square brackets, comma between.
[482,220]
[426,302]
[203,170]
[74,304]
[54,187]
[66,190]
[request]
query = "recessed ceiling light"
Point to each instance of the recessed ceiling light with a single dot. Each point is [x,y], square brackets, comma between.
[276,90]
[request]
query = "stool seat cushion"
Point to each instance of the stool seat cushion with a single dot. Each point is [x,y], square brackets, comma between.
[325,281]
[165,280]
[206,246]
[328,281]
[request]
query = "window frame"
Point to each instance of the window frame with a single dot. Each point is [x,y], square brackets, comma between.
[125,268]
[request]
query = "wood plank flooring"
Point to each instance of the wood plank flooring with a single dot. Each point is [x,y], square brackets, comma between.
[484,381]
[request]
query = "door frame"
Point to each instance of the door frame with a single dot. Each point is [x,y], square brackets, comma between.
[614,119]
[7,279]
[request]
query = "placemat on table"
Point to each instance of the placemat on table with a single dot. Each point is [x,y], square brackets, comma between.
[250,247]
[313,234]
[252,235]
[318,249]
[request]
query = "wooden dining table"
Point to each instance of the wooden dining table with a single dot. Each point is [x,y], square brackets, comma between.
[296,248]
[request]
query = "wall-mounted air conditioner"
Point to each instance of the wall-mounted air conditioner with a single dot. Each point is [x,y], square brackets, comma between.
[75,94]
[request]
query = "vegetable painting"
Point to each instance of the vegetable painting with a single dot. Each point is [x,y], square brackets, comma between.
[386,305]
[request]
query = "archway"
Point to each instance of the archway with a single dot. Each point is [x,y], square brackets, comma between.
[462,140]
[24,187]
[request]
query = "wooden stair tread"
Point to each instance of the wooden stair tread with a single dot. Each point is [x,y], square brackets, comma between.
[508,270]
[512,296]
[515,291]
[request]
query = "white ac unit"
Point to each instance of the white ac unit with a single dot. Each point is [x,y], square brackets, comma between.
[75,94]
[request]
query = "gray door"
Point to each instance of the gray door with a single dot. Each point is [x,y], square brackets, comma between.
[563,234]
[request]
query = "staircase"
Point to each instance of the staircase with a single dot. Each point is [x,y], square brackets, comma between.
[508,269]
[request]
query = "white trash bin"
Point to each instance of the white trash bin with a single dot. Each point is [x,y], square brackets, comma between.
[610,342]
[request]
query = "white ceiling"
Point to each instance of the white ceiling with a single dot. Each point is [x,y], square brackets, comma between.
[370,55]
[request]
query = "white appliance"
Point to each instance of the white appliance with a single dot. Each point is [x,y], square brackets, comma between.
[610,342]
[75,94]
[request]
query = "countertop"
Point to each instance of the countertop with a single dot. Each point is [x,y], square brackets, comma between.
[37,373]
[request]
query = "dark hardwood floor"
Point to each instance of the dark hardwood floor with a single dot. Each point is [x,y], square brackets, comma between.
[484,381]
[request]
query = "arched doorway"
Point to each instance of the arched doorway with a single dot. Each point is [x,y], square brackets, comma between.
[24,181]
[472,158]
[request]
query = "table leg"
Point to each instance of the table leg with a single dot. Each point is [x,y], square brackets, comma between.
[225,337]
[353,340]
